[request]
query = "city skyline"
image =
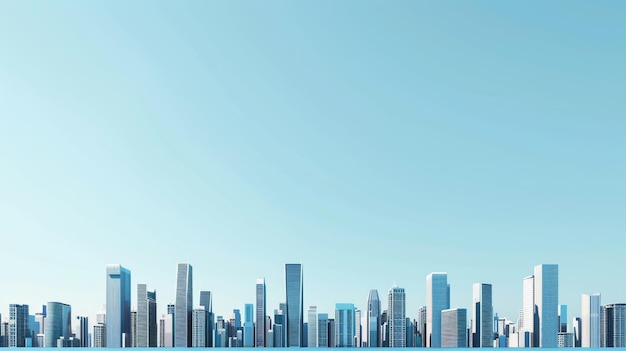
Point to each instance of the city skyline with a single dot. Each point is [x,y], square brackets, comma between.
[373,144]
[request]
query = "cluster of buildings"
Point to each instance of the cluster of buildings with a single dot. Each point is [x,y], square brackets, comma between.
[542,322]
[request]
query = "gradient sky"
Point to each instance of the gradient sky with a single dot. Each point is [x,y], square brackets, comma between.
[372,141]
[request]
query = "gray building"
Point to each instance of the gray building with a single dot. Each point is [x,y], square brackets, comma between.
[206,301]
[590,320]
[397,317]
[421,326]
[453,328]
[99,335]
[547,304]
[312,327]
[82,331]
[146,317]
[613,325]
[18,325]
[437,300]
[372,316]
[482,316]
[565,339]
[295,304]
[322,330]
[184,305]
[199,327]
[58,323]
[117,306]
[260,327]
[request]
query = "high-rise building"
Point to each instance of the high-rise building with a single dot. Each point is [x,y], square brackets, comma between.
[58,323]
[312,327]
[18,325]
[198,327]
[437,300]
[133,328]
[453,328]
[482,316]
[344,324]
[397,317]
[280,320]
[184,305]
[563,319]
[146,317]
[40,318]
[332,336]
[527,325]
[372,332]
[248,325]
[295,305]
[260,328]
[322,330]
[99,335]
[613,325]
[82,331]
[547,304]
[590,320]
[421,325]
[565,339]
[117,306]
[206,301]
[166,329]
[577,326]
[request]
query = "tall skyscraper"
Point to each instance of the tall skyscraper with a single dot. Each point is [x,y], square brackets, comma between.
[437,300]
[184,305]
[99,335]
[421,325]
[482,316]
[280,320]
[198,327]
[527,325]
[344,324]
[397,317]
[146,317]
[248,325]
[117,306]
[577,326]
[260,329]
[563,319]
[547,304]
[613,325]
[82,331]
[295,308]
[58,323]
[312,329]
[372,315]
[18,325]
[453,328]
[590,320]
[133,328]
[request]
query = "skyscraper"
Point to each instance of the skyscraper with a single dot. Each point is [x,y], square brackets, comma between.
[82,331]
[590,320]
[563,319]
[482,316]
[421,325]
[117,306]
[248,325]
[527,325]
[184,305]
[206,301]
[322,330]
[372,332]
[547,302]
[577,326]
[437,300]
[260,313]
[146,317]
[397,317]
[312,331]
[453,330]
[613,325]
[99,335]
[295,308]
[280,320]
[198,327]
[18,325]
[58,323]
[344,324]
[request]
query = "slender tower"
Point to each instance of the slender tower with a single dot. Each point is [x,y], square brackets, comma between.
[184,306]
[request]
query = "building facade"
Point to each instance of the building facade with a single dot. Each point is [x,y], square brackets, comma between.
[482,316]
[344,324]
[295,300]
[260,327]
[547,304]
[590,320]
[118,306]
[371,334]
[396,302]
[453,328]
[437,300]
[184,305]
[58,323]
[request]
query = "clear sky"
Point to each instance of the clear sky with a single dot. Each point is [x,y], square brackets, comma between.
[372,141]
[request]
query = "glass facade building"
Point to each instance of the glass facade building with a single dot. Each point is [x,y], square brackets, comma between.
[58,323]
[117,306]
[344,324]
[397,317]
[372,316]
[295,308]
[184,305]
[453,328]
[547,304]
[437,300]
[312,327]
[260,327]
[482,316]
[590,320]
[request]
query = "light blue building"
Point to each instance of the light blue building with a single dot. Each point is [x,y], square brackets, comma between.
[453,328]
[58,323]
[437,300]
[260,326]
[482,316]
[372,319]
[206,301]
[563,319]
[295,303]
[147,333]
[547,304]
[397,317]
[248,325]
[344,324]
[184,306]
[322,330]
[117,306]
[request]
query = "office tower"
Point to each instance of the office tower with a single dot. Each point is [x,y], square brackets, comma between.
[437,300]
[260,327]
[527,325]
[33,330]
[270,338]
[18,325]
[453,328]
[322,330]
[421,325]
[40,317]
[357,333]
[99,335]
[198,327]
[166,327]
[82,331]
[482,316]
[4,333]
[396,317]
[295,308]
[332,337]
[565,339]
[547,304]
[312,327]
[563,319]
[577,325]
[372,332]
[146,324]
[344,324]
[280,321]
[206,301]
[410,333]
[248,325]
[590,320]
[184,305]
[237,319]
[58,323]
[117,306]
[133,328]
[613,326]
[305,334]
[384,330]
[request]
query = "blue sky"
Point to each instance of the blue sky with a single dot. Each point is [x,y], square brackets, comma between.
[374,142]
